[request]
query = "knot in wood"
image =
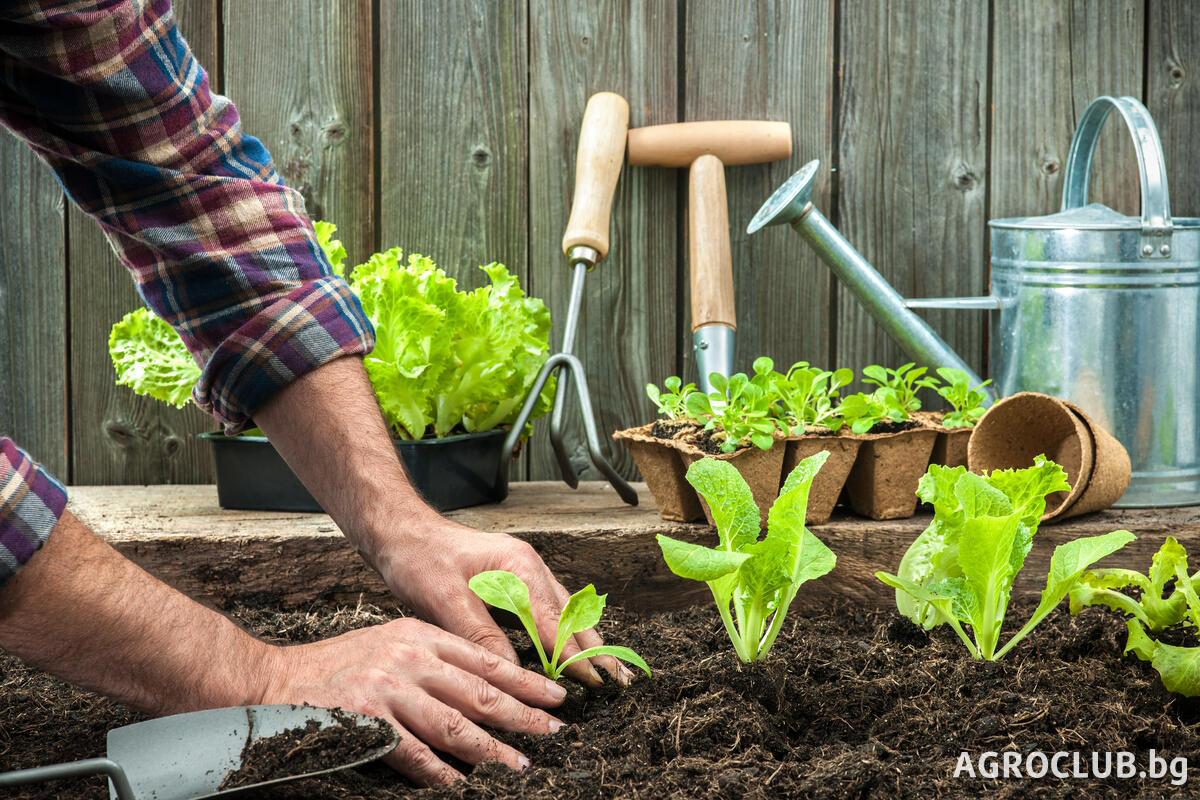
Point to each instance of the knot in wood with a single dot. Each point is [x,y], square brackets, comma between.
[119,432]
[1050,166]
[335,131]
[963,177]
[481,156]
[172,444]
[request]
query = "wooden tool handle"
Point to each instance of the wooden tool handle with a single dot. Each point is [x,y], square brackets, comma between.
[708,244]
[733,141]
[597,165]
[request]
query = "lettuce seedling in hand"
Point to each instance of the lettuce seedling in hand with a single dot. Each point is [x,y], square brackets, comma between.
[862,411]
[961,570]
[806,396]
[753,580]
[904,380]
[506,591]
[966,402]
[671,400]
[738,411]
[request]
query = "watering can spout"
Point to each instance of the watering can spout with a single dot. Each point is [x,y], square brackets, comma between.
[792,204]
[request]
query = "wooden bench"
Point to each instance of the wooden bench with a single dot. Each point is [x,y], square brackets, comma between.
[586,535]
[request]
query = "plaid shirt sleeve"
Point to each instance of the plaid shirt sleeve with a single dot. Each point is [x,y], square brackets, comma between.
[30,504]
[109,95]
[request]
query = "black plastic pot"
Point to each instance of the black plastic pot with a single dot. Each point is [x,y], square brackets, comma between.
[451,472]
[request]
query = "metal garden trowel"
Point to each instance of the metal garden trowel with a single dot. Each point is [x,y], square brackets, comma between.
[187,756]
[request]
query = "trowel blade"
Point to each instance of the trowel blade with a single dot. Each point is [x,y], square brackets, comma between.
[186,756]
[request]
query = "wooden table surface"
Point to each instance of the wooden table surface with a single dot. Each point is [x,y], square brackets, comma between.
[585,535]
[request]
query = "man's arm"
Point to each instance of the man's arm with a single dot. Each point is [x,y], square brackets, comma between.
[81,611]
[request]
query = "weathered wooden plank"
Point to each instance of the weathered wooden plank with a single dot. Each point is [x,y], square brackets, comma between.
[771,60]
[33,312]
[1049,61]
[305,89]
[454,133]
[913,164]
[628,332]
[587,535]
[117,437]
[1173,98]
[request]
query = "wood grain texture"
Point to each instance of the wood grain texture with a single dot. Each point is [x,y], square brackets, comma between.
[768,60]
[1173,80]
[913,165]
[1049,61]
[710,256]
[33,311]
[116,436]
[628,328]
[585,536]
[305,89]
[453,133]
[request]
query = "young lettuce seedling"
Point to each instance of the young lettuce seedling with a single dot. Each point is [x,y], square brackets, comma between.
[961,570]
[806,396]
[966,402]
[506,591]
[759,578]
[862,412]
[738,410]
[904,380]
[671,400]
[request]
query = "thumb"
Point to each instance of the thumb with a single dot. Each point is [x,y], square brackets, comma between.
[469,618]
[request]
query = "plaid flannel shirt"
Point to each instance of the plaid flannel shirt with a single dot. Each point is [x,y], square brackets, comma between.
[108,94]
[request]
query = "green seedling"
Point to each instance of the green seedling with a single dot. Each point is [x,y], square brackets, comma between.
[862,411]
[738,411]
[753,580]
[960,570]
[904,380]
[966,402]
[806,396]
[671,400]
[1154,609]
[583,610]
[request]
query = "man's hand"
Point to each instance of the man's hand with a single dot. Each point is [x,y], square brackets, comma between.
[327,426]
[433,687]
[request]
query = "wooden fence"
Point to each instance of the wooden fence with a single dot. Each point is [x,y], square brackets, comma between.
[448,127]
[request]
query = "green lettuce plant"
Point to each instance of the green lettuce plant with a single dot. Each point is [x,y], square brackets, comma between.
[966,402]
[583,610]
[862,411]
[904,380]
[737,411]
[1154,610]
[150,358]
[807,396]
[671,400]
[960,570]
[753,580]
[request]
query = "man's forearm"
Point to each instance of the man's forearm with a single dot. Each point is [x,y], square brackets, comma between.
[82,611]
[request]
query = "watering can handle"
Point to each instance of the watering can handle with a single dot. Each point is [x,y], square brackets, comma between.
[1156,204]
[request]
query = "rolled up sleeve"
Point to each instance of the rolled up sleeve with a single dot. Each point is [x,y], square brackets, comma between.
[31,501]
[110,96]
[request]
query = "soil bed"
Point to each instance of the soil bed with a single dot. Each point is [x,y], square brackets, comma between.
[888,426]
[851,703]
[671,428]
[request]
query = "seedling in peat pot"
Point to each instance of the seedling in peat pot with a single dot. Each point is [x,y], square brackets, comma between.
[738,411]
[806,395]
[1178,667]
[671,400]
[583,610]
[904,380]
[962,568]
[862,411]
[759,578]
[966,402]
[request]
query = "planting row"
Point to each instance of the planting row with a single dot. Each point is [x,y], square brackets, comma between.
[879,442]
[958,572]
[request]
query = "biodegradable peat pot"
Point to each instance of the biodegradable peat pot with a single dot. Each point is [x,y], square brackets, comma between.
[950,447]
[1028,424]
[762,470]
[450,472]
[883,482]
[663,470]
[827,486]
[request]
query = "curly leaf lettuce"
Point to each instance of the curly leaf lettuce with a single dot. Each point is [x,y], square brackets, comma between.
[150,358]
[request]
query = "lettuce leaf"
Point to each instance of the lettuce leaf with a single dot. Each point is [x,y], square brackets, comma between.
[150,358]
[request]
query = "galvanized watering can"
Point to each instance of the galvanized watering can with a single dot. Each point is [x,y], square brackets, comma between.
[1087,304]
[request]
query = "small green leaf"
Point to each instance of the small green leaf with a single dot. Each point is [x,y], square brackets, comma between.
[1178,667]
[734,511]
[616,651]
[697,562]
[582,611]
[506,591]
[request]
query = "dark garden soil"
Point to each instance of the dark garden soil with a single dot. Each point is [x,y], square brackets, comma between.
[850,703]
[887,426]
[310,748]
[670,428]
[706,441]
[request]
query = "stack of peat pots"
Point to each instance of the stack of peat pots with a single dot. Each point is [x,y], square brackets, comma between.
[876,473]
